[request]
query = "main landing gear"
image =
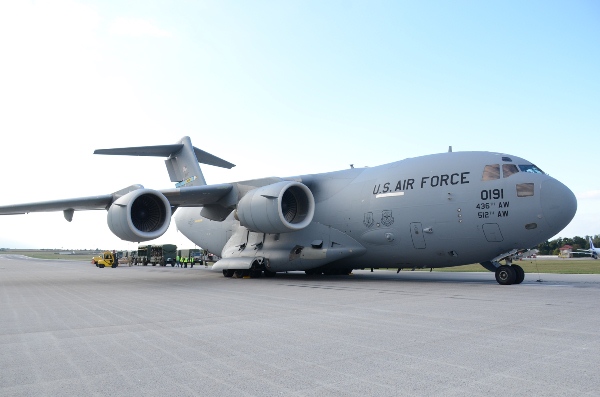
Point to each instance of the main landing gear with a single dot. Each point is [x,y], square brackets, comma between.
[507,275]
[252,273]
[257,270]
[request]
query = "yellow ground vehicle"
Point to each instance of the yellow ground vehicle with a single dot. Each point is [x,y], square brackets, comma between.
[106,260]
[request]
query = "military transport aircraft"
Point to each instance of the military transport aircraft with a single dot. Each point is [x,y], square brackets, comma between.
[593,251]
[438,210]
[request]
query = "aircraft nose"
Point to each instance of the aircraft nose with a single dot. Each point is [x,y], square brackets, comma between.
[558,204]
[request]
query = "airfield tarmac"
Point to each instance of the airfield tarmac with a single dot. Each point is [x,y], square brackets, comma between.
[68,328]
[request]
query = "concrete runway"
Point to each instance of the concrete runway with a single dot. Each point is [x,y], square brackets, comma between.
[71,329]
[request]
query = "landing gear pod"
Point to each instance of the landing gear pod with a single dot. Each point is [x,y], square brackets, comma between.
[141,215]
[281,207]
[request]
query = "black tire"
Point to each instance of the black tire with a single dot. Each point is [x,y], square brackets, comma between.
[505,275]
[101,266]
[227,272]
[269,273]
[114,265]
[520,274]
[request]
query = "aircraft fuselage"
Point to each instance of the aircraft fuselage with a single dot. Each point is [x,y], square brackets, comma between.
[438,210]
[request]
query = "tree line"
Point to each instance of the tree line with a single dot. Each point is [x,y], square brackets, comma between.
[552,247]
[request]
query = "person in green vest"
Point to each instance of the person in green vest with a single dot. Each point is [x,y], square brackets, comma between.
[177,261]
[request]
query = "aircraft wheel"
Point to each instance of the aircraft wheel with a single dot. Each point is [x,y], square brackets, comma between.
[505,275]
[238,273]
[255,273]
[269,273]
[227,273]
[520,274]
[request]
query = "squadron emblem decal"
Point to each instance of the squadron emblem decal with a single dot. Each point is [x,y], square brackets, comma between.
[386,218]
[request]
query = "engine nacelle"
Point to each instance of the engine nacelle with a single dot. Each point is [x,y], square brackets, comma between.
[281,207]
[141,215]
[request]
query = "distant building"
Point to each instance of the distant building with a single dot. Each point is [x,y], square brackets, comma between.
[566,251]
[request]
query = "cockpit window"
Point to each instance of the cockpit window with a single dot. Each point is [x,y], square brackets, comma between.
[524,189]
[530,168]
[491,172]
[508,170]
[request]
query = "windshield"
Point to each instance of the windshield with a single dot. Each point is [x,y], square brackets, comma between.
[531,168]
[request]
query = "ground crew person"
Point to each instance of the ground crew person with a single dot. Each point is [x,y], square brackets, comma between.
[185,262]
[177,261]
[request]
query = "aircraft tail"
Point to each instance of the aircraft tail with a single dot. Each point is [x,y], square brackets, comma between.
[182,160]
[592,245]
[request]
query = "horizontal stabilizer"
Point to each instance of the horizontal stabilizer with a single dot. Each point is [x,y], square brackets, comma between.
[207,158]
[155,151]
[166,151]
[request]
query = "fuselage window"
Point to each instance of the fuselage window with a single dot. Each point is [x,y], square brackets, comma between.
[491,172]
[524,189]
[530,168]
[508,170]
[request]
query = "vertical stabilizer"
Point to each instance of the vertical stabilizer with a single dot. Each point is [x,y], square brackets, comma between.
[182,160]
[183,166]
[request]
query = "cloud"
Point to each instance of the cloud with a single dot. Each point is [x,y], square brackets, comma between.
[135,27]
[590,195]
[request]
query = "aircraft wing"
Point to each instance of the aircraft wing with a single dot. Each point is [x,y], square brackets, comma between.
[196,196]
[193,196]
[75,204]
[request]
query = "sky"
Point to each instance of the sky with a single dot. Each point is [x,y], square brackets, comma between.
[285,88]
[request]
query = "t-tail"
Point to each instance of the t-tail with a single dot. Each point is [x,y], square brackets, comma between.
[182,160]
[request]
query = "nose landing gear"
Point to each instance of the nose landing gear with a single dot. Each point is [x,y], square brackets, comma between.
[507,275]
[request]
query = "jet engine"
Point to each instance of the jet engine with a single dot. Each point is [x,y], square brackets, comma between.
[140,215]
[277,208]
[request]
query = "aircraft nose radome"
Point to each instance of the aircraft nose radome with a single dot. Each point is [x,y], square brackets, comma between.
[558,204]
